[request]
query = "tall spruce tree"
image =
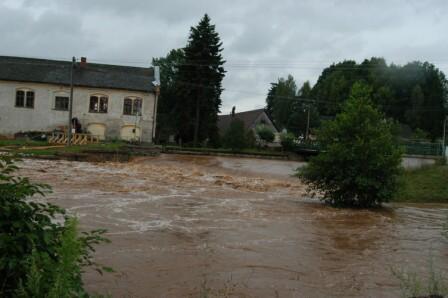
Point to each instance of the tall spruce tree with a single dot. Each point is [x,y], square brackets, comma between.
[200,84]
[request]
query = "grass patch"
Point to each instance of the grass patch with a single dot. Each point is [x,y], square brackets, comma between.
[31,147]
[425,185]
[22,142]
[253,151]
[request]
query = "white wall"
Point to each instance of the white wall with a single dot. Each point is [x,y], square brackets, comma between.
[43,117]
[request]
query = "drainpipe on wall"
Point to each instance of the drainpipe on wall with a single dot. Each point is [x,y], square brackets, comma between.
[156,84]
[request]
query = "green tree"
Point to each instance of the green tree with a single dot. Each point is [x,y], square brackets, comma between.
[270,99]
[288,107]
[298,119]
[412,114]
[235,137]
[200,84]
[169,104]
[284,98]
[359,163]
[265,133]
[305,90]
[415,94]
[288,141]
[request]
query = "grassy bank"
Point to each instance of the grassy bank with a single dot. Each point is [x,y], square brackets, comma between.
[253,151]
[43,148]
[425,185]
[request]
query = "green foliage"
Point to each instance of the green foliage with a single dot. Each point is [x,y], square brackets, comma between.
[39,255]
[251,140]
[415,94]
[288,141]
[420,134]
[283,99]
[168,104]
[359,164]
[199,81]
[265,133]
[235,136]
[288,107]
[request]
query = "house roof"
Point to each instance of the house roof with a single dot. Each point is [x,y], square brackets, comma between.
[91,75]
[249,118]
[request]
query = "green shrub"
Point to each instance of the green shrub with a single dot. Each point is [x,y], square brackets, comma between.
[251,140]
[235,136]
[265,133]
[287,140]
[40,252]
[360,163]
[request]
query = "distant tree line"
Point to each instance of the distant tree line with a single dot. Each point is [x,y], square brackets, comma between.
[415,94]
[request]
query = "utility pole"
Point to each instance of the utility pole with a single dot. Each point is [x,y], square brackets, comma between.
[70,108]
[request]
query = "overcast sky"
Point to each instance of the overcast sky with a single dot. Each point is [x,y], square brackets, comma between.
[263,40]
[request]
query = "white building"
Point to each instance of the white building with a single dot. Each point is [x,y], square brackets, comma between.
[113,102]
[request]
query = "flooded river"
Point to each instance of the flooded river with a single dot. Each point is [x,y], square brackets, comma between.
[186,226]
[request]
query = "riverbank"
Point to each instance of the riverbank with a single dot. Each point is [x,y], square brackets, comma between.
[428,184]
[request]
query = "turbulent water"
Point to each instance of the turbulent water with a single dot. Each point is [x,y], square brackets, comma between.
[226,227]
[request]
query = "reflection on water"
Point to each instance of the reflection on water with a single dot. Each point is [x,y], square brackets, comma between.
[182,226]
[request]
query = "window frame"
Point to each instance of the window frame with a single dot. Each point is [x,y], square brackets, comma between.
[134,110]
[56,99]
[26,98]
[98,108]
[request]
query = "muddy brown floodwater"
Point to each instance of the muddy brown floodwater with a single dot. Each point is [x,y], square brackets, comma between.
[226,227]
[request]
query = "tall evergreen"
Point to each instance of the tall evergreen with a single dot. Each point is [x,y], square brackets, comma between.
[167,123]
[200,84]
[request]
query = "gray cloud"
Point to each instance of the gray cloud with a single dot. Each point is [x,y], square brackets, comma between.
[263,40]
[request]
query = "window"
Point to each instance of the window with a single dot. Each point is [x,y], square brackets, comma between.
[20,98]
[98,104]
[61,103]
[30,99]
[132,106]
[25,99]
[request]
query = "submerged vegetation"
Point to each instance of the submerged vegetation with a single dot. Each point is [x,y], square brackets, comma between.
[41,252]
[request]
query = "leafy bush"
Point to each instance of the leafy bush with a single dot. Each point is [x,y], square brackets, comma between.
[287,140]
[251,140]
[265,133]
[40,252]
[359,164]
[235,136]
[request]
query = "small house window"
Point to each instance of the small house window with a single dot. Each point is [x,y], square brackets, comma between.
[98,104]
[132,106]
[30,99]
[25,99]
[61,103]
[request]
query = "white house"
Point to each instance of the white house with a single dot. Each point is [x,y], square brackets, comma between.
[110,101]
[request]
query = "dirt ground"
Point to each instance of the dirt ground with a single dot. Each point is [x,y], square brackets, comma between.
[184,226]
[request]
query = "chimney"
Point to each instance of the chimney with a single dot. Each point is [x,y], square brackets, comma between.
[83,62]
[233,112]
